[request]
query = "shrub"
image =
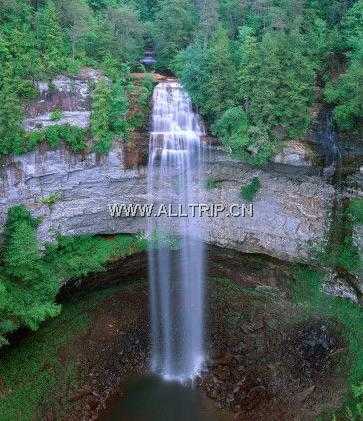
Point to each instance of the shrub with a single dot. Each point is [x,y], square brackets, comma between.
[52,199]
[344,94]
[252,144]
[30,282]
[211,183]
[11,114]
[74,137]
[109,110]
[73,257]
[28,288]
[249,191]
[103,144]
[143,95]
[356,210]
[56,115]
[348,256]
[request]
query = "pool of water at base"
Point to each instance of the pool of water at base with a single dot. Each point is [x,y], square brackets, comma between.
[152,399]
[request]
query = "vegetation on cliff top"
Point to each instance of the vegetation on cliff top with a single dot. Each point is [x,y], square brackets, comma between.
[254,69]
[39,40]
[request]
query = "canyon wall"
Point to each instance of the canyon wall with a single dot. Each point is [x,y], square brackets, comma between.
[71,193]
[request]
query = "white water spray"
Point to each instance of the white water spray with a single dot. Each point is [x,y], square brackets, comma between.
[176,277]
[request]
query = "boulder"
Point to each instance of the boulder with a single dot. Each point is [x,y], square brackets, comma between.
[296,153]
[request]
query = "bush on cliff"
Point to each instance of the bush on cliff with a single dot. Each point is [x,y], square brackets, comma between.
[249,191]
[30,281]
[108,118]
[27,286]
[74,137]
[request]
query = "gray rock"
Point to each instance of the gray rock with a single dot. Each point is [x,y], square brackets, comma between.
[290,215]
[74,118]
[71,95]
[299,154]
[339,287]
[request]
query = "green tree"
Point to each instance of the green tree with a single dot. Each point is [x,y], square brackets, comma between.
[100,118]
[346,92]
[276,82]
[175,22]
[119,108]
[75,17]
[27,288]
[11,114]
[109,111]
[209,74]
[125,33]
[232,15]
[209,18]
[232,129]
[51,40]
[220,91]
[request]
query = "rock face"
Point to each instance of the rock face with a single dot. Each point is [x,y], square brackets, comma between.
[290,214]
[73,118]
[71,95]
[299,154]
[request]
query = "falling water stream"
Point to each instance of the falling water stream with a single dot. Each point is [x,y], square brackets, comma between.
[176,283]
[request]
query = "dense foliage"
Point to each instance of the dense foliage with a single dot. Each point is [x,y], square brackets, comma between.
[346,91]
[255,69]
[40,39]
[263,63]
[28,288]
[30,281]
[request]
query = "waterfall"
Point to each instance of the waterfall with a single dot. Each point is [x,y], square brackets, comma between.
[327,140]
[176,276]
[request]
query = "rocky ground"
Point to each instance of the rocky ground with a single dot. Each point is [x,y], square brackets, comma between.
[265,360]
[114,347]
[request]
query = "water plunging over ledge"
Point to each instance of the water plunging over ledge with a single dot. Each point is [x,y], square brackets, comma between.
[176,287]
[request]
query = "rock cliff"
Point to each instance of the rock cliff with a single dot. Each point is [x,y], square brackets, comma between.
[71,194]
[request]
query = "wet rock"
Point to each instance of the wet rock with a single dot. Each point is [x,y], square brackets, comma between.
[297,154]
[316,342]
[337,286]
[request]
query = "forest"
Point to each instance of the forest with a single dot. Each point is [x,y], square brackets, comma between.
[253,68]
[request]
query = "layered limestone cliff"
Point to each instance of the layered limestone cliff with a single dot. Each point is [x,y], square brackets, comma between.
[72,193]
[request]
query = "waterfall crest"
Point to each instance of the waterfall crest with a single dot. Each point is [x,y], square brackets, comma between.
[176,277]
